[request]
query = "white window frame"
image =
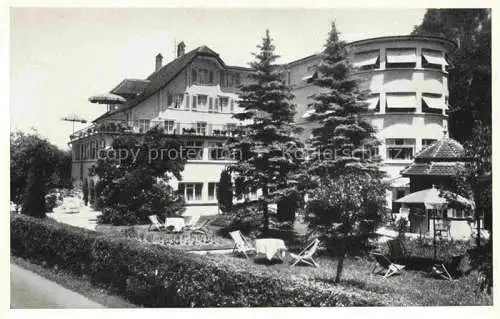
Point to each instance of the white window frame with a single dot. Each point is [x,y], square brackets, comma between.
[224,104]
[169,125]
[202,100]
[144,125]
[193,192]
[401,144]
[213,190]
[201,128]
[178,100]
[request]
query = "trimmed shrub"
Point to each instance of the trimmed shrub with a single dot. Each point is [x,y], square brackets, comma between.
[156,276]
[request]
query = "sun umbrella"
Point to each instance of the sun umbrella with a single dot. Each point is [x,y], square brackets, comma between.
[433,200]
[107,98]
[74,118]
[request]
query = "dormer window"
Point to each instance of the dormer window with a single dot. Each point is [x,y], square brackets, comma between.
[178,99]
[401,58]
[202,100]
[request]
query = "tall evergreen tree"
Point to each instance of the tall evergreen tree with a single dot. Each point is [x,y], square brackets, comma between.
[263,162]
[344,138]
[225,192]
[348,199]
[34,192]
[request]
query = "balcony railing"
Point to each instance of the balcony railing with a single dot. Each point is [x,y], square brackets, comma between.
[168,127]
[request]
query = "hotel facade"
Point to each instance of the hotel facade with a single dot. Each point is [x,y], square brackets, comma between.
[407,79]
[195,96]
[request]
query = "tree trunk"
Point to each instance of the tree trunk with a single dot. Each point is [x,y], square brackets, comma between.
[265,209]
[340,262]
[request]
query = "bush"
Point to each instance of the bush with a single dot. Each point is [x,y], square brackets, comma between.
[156,276]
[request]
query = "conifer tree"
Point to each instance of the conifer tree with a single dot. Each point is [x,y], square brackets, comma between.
[225,192]
[344,138]
[348,196]
[263,162]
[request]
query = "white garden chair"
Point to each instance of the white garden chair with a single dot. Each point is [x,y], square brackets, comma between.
[306,255]
[241,244]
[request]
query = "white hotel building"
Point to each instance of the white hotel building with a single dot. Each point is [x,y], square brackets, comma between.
[195,96]
[407,79]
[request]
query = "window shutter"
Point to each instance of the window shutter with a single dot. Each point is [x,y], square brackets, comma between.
[187,101]
[178,128]
[194,102]
[210,102]
[216,106]
[210,127]
[232,105]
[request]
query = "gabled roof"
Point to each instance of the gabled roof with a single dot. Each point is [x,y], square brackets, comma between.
[446,149]
[163,76]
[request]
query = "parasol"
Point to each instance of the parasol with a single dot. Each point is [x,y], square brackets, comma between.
[107,98]
[74,118]
[433,200]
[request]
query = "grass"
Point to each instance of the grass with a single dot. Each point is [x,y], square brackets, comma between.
[412,288]
[78,284]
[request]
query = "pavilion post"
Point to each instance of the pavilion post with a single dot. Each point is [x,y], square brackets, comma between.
[434,234]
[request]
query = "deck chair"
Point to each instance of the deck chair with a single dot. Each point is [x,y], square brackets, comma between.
[155,223]
[385,265]
[241,244]
[196,227]
[306,255]
[441,271]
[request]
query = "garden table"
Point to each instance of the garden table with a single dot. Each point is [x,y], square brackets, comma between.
[270,247]
[177,223]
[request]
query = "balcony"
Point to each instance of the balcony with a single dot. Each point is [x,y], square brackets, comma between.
[168,127]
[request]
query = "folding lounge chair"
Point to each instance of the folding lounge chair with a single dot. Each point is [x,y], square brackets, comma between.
[441,271]
[385,265]
[155,223]
[306,255]
[194,226]
[241,244]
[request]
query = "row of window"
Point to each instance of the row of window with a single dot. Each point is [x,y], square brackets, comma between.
[407,102]
[197,128]
[404,148]
[88,150]
[220,104]
[193,192]
[400,58]
[206,76]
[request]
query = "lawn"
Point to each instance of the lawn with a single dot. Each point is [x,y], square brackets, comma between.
[412,288]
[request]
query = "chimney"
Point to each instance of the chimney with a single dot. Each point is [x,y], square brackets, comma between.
[159,62]
[180,49]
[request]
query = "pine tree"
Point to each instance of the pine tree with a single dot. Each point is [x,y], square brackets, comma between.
[225,192]
[263,163]
[34,193]
[344,138]
[348,199]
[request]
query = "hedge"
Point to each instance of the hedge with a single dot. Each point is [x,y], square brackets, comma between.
[157,276]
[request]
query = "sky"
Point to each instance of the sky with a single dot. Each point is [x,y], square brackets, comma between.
[59,57]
